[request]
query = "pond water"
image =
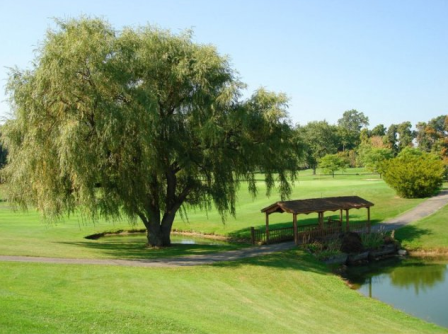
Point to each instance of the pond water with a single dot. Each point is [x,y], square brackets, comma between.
[175,239]
[417,287]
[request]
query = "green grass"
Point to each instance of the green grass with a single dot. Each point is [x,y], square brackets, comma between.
[26,234]
[354,182]
[282,293]
[430,233]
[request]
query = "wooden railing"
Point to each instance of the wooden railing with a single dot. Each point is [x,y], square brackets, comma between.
[275,235]
[306,233]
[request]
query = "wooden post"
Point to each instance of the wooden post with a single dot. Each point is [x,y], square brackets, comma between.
[252,235]
[341,219]
[321,220]
[267,228]
[368,220]
[347,222]
[296,232]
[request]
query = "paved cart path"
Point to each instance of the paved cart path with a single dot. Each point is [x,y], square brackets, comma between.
[422,210]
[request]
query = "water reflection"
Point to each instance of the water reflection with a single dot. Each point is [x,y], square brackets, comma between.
[417,287]
[418,275]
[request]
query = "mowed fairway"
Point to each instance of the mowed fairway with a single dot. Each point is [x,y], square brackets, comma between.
[281,293]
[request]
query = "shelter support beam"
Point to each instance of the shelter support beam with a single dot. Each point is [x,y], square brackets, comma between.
[368,220]
[321,219]
[267,227]
[347,221]
[296,232]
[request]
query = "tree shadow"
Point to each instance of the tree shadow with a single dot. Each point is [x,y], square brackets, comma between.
[294,259]
[411,233]
[138,250]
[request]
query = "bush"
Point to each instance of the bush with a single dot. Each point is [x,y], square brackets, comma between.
[414,176]
[373,240]
[325,250]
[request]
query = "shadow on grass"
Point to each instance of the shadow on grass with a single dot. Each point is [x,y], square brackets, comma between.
[138,250]
[411,232]
[294,259]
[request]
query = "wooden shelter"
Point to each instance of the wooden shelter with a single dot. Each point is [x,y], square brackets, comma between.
[319,206]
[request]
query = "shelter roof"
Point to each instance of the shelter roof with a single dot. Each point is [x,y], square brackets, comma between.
[307,206]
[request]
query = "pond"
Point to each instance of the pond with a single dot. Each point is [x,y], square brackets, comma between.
[175,239]
[414,286]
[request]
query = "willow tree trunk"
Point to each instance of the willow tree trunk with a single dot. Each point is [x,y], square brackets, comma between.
[158,233]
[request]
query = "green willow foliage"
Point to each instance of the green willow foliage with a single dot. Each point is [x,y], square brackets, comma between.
[414,175]
[140,122]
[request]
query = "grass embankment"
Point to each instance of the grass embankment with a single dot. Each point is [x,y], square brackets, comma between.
[281,293]
[428,236]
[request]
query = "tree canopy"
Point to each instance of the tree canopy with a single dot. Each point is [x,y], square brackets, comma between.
[332,163]
[350,125]
[433,136]
[140,122]
[319,139]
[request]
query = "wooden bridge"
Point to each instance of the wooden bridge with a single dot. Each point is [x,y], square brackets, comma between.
[306,233]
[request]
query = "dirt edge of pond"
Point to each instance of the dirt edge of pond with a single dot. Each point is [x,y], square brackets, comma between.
[213,236]
[429,253]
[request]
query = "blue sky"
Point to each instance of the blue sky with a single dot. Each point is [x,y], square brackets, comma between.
[387,58]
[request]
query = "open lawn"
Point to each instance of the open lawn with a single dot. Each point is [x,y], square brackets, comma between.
[353,182]
[26,234]
[281,293]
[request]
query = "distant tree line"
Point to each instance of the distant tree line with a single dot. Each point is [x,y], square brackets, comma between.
[358,146]
[412,162]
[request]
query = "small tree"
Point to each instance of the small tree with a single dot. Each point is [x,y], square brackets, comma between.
[333,162]
[414,176]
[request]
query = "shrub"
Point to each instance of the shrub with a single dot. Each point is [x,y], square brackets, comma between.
[373,240]
[324,250]
[414,176]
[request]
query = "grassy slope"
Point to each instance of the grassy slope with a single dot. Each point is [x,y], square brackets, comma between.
[430,233]
[282,293]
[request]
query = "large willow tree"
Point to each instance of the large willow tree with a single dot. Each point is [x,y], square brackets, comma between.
[140,123]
